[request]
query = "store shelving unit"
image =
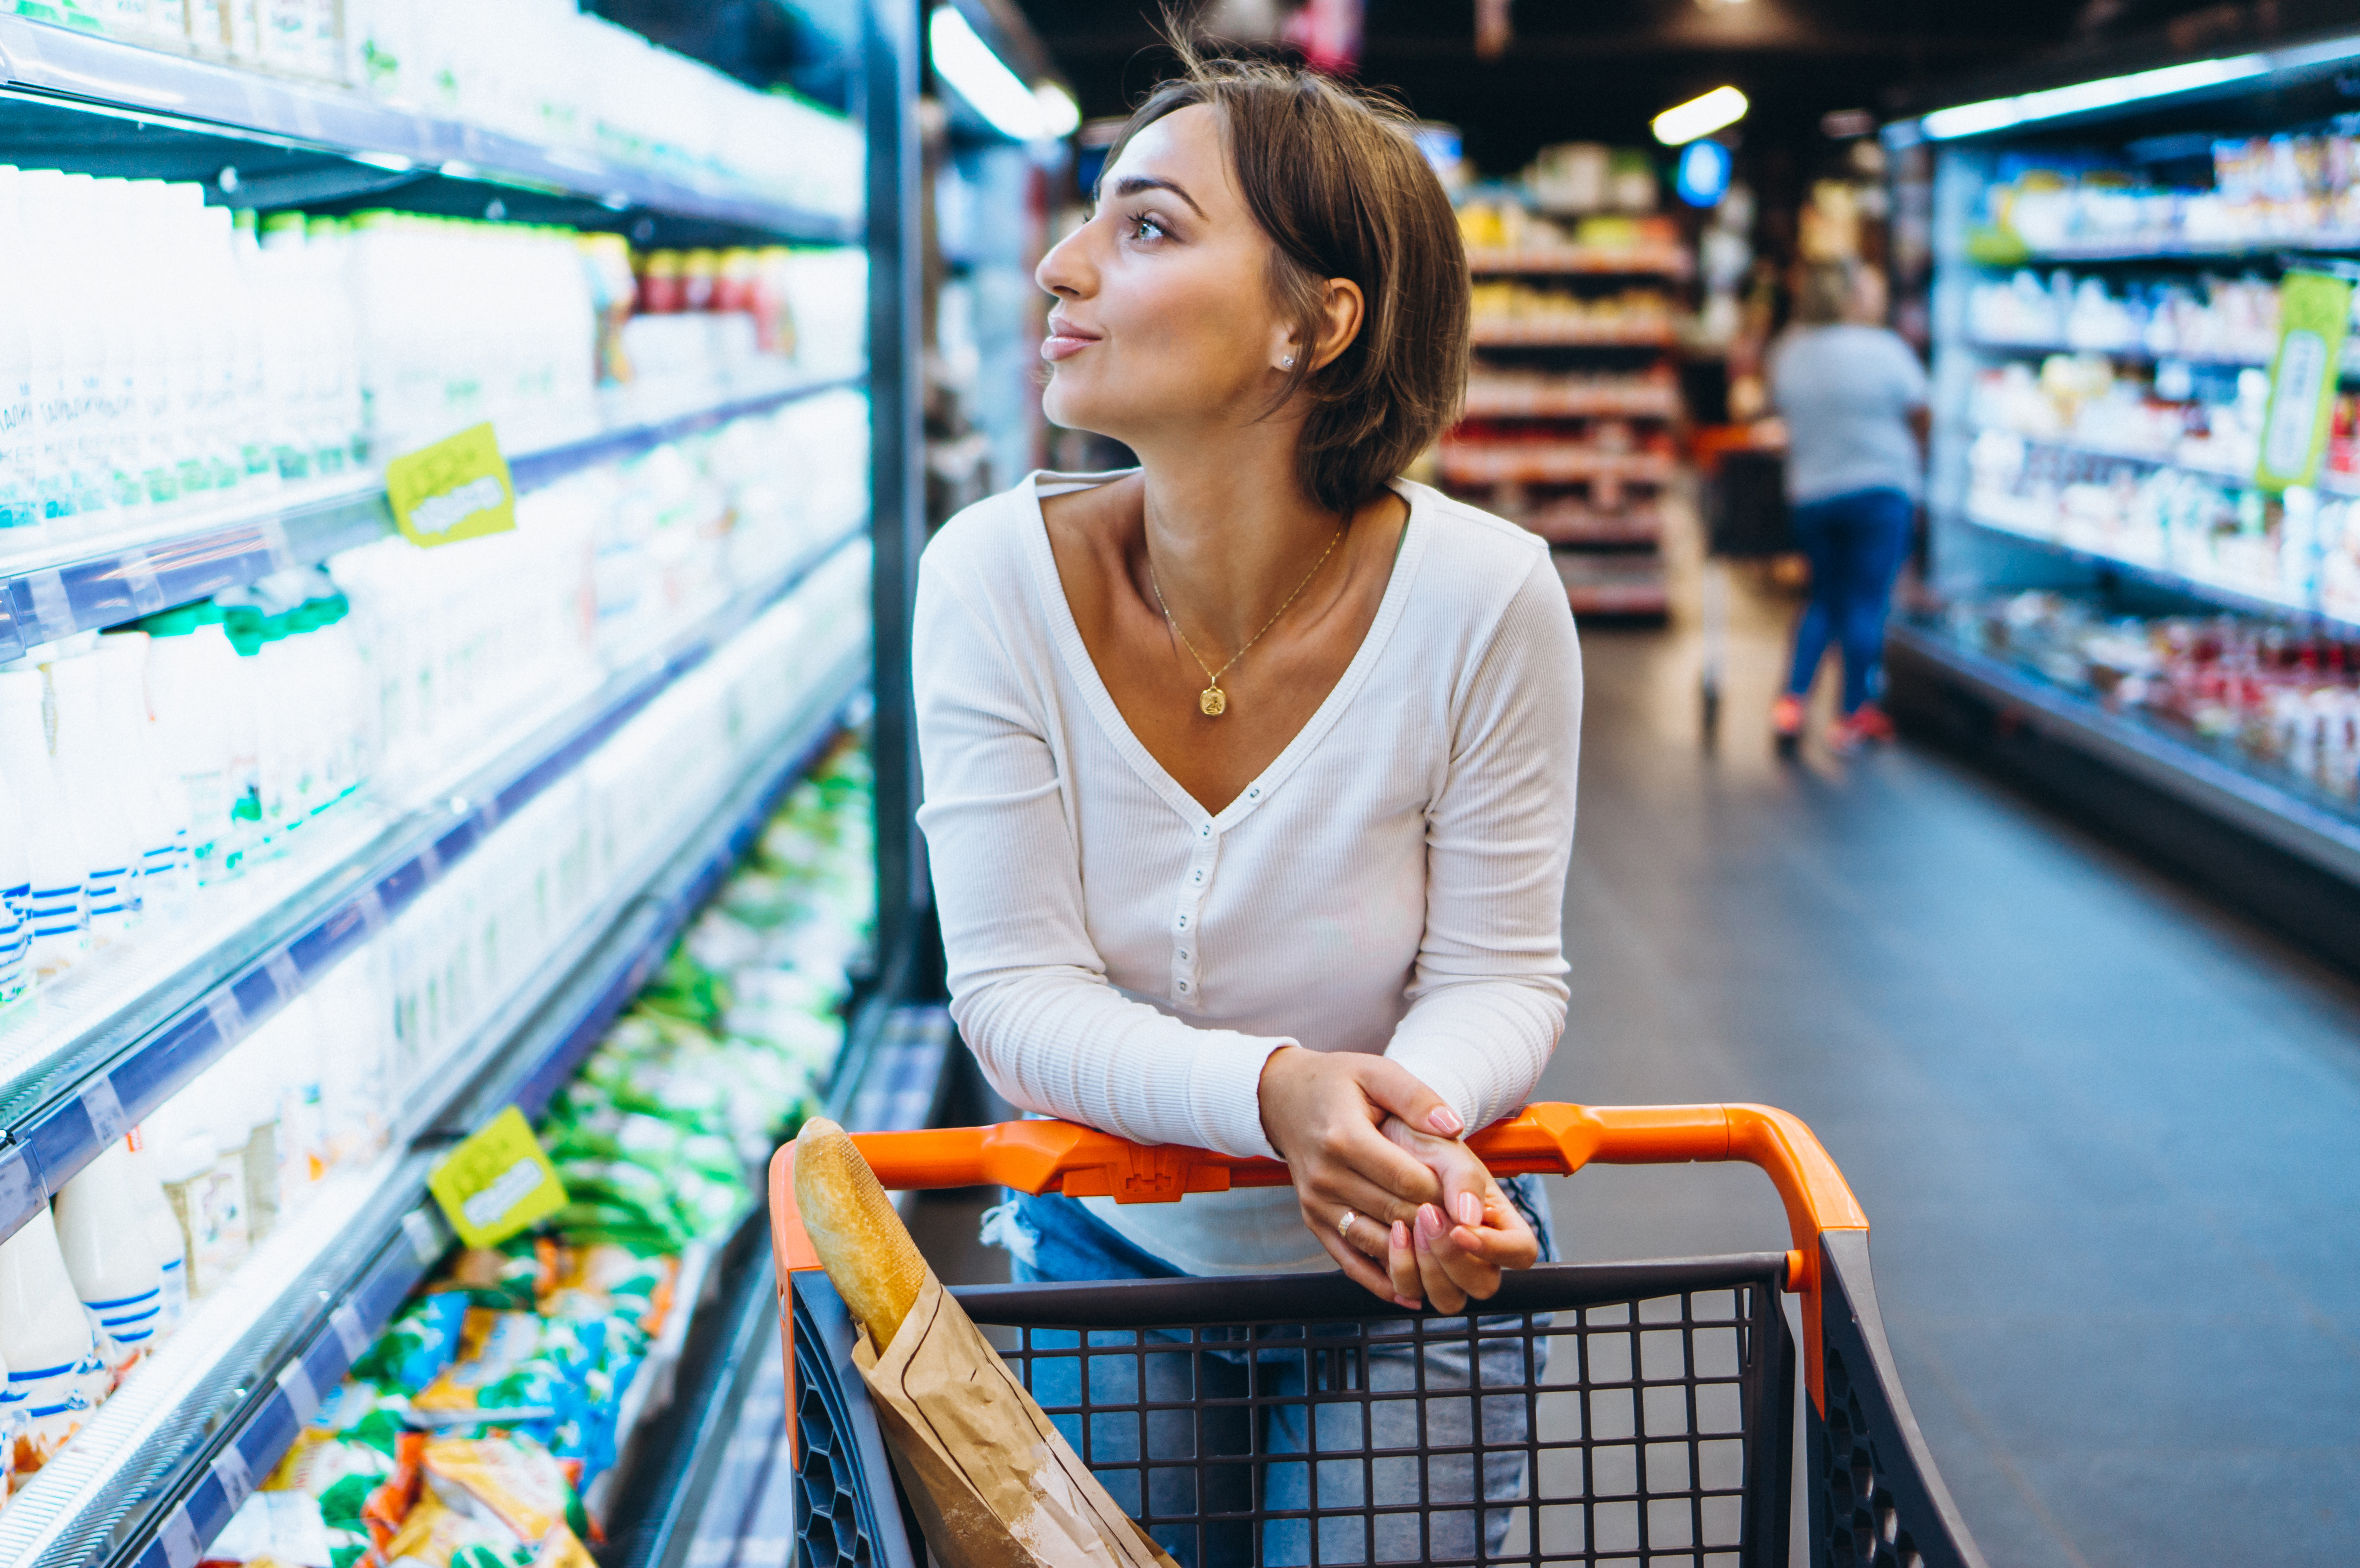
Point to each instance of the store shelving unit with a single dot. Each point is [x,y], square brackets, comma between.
[2070,523]
[167,1462]
[1565,427]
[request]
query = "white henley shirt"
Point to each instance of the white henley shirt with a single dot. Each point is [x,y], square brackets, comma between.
[1393,882]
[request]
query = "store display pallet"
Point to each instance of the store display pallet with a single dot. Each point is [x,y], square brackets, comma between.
[81,585]
[80,70]
[257,1401]
[2278,816]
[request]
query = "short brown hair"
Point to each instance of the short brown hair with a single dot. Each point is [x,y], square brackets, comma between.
[1336,181]
[1824,293]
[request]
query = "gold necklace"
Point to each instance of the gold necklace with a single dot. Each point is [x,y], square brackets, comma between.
[1212,701]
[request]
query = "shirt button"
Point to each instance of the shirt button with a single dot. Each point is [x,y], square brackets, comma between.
[1183,922]
[1205,831]
[1254,793]
[1197,877]
[1183,986]
[1183,954]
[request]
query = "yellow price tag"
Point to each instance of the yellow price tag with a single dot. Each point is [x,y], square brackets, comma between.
[456,489]
[497,1182]
[2314,313]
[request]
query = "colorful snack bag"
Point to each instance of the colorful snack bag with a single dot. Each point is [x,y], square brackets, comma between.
[513,1480]
[417,1346]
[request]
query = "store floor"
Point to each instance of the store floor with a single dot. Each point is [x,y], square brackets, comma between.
[2108,1136]
[2105,1133]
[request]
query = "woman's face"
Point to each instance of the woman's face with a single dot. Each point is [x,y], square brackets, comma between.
[1164,318]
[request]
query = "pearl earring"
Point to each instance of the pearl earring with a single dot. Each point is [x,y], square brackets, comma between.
[1287,363]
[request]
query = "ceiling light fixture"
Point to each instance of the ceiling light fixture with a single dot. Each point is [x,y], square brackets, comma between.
[2110,91]
[965,61]
[1060,115]
[1701,117]
[2106,93]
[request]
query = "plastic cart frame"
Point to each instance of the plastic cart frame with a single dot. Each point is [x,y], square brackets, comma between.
[1874,1496]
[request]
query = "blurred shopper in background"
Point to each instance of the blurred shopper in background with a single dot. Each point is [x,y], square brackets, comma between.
[1854,397]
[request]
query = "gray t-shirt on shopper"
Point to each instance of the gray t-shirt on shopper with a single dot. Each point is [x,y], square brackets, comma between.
[1846,393]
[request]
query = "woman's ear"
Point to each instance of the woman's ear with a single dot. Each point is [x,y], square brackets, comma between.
[1341,307]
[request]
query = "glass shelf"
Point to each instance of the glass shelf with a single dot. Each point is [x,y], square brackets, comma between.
[83,585]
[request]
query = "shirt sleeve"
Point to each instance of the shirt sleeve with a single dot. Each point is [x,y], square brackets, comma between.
[1488,998]
[1029,988]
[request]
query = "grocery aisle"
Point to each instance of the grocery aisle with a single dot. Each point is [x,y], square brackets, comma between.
[2102,1130]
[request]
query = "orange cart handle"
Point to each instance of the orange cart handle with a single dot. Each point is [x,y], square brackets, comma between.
[1546,1139]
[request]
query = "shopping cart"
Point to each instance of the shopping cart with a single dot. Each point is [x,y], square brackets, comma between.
[1659,1430]
[1741,476]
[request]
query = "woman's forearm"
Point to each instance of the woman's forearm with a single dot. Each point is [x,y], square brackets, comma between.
[1062,1042]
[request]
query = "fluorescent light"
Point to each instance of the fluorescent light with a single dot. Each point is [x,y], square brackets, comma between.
[2106,93]
[1060,115]
[998,94]
[1699,116]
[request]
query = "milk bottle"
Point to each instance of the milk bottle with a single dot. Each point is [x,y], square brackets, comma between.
[47,1342]
[110,1257]
[55,908]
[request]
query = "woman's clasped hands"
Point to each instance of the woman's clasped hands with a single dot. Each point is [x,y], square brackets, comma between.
[1397,1199]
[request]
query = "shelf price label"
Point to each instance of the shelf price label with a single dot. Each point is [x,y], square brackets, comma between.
[456,489]
[2314,310]
[497,1182]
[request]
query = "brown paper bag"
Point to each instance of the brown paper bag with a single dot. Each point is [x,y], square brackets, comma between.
[994,1484]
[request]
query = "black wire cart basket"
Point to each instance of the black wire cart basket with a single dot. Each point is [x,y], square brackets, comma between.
[1622,1413]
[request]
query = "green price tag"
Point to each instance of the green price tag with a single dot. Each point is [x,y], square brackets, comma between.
[456,489]
[497,1182]
[2314,311]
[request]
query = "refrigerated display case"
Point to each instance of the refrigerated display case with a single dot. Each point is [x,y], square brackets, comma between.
[397,834]
[2112,579]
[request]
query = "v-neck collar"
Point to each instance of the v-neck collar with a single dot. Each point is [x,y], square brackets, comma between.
[1119,732]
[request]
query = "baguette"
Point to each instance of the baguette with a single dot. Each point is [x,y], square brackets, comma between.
[861,1242]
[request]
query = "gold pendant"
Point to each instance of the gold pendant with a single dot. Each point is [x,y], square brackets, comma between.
[1213,701]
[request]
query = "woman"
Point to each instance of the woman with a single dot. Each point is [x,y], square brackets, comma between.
[1249,772]
[1853,396]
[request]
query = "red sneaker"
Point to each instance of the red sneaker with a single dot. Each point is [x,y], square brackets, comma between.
[1786,717]
[1870,721]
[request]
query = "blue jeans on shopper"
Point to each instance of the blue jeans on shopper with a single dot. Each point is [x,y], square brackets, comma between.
[1856,542]
[1055,1238]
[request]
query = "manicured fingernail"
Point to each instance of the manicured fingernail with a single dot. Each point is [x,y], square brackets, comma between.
[1429,1223]
[1471,1210]
[1400,1236]
[1445,1120]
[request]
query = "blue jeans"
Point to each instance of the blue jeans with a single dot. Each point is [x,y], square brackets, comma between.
[1261,1405]
[1857,542]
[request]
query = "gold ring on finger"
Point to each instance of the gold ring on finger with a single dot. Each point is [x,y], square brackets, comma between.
[1344,1225]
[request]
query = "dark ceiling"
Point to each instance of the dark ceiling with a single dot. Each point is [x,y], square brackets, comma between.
[1599,69]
